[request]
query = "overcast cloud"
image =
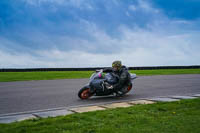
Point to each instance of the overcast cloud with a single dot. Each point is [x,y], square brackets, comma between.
[93,33]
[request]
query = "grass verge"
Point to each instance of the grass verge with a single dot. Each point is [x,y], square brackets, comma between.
[173,117]
[23,76]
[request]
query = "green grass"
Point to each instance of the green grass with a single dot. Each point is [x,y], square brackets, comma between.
[23,76]
[174,117]
[166,72]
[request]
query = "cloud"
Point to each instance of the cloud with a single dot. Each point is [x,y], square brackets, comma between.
[145,5]
[135,48]
[132,7]
[81,4]
[136,33]
[39,2]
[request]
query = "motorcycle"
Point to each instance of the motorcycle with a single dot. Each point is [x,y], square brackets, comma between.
[102,85]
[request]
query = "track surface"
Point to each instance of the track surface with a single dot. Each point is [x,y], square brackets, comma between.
[45,94]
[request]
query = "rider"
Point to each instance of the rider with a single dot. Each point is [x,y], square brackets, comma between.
[122,74]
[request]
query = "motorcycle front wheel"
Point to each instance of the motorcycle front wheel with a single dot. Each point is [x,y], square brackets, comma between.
[84,93]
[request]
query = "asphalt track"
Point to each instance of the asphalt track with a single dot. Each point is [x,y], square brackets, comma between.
[25,96]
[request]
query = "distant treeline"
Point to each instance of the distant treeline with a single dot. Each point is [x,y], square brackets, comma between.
[94,68]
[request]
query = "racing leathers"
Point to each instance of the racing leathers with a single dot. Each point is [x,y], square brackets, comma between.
[123,78]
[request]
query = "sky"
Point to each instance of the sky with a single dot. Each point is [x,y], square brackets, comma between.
[94,33]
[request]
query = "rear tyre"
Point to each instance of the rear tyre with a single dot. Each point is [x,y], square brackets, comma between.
[124,91]
[84,93]
[129,88]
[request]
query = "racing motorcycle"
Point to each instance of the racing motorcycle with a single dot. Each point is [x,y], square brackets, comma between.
[101,84]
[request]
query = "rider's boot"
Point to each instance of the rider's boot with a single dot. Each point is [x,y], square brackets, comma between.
[119,94]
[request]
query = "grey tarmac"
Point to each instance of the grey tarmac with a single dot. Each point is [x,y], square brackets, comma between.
[27,96]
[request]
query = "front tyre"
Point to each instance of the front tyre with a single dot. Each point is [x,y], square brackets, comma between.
[84,93]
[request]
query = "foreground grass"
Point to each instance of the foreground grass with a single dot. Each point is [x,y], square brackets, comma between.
[174,117]
[23,76]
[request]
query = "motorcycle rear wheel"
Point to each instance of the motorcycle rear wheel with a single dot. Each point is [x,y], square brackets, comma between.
[129,88]
[84,93]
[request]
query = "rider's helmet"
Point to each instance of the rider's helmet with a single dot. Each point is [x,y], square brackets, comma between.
[116,65]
